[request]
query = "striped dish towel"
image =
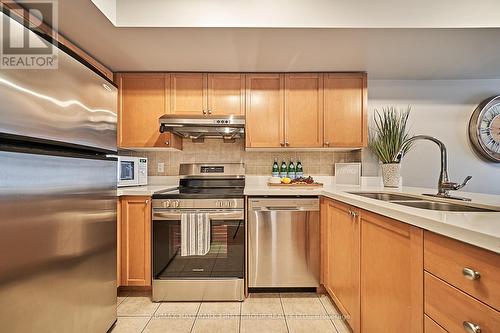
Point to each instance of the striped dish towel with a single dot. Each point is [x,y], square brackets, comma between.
[195,234]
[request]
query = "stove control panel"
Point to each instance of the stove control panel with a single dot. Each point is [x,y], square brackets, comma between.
[199,203]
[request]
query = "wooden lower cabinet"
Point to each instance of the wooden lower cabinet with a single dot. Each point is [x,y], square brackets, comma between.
[453,309]
[372,269]
[391,275]
[135,241]
[341,278]
[118,242]
[430,326]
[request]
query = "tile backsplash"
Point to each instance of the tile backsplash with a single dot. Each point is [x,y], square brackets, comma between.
[256,162]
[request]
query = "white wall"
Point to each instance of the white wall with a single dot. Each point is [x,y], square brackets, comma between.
[442,109]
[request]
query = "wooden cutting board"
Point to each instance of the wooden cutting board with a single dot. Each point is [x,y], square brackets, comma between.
[313,185]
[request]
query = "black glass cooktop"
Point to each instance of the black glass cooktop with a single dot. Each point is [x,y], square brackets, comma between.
[205,188]
[199,193]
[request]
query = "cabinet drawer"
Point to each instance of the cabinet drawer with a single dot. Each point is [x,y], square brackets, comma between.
[430,326]
[450,308]
[447,258]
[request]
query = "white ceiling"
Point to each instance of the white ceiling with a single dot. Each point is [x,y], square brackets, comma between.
[457,53]
[302,13]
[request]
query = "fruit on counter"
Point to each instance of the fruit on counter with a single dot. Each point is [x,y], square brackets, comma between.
[286,180]
[303,180]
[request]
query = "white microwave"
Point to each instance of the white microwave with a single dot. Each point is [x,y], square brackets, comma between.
[132,171]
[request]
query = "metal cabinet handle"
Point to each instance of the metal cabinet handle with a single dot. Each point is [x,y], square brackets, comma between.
[470,274]
[471,327]
[354,214]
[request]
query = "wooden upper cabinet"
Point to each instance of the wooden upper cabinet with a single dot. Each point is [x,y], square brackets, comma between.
[391,275]
[188,93]
[304,110]
[135,241]
[226,94]
[342,272]
[264,110]
[345,110]
[142,99]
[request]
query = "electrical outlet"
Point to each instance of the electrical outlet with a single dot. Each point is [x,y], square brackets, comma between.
[161,167]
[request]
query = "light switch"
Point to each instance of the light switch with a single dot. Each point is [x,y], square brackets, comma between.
[161,167]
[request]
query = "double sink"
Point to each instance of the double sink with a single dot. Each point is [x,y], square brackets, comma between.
[421,202]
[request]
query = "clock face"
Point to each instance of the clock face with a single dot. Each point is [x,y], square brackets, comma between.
[484,129]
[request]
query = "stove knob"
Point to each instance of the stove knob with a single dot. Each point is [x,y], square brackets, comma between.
[228,203]
[175,204]
[166,204]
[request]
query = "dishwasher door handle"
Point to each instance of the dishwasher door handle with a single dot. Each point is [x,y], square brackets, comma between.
[274,209]
[283,208]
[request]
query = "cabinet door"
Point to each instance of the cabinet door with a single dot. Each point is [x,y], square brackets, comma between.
[142,99]
[118,243]
[343,261]
[391,275]
[136,241]
[188,93]
[345,110]
[265,111]
[304,110]
[226,94]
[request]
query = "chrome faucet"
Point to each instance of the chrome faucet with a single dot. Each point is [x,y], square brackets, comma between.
[444,184]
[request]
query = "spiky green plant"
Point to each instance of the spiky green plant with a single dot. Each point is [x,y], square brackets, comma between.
[389,133]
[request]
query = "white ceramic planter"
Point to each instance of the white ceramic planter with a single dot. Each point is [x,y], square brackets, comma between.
[391,174]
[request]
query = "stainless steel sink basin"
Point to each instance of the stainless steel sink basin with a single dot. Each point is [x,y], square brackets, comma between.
[443,206]
[387,196]
[422,202]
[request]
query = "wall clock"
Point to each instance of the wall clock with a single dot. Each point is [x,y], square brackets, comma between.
[484,129]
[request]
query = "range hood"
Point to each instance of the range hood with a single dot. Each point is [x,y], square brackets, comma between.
[199,128]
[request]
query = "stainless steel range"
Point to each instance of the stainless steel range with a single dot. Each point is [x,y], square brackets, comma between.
[199,235]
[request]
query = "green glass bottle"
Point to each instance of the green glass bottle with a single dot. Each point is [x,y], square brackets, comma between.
[299,171]
[291,170]
[276,168]
[283,169]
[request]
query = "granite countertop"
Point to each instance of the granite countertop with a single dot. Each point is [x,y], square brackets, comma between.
[477,228]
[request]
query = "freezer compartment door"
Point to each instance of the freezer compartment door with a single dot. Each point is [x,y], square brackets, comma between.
[57,243]
[71,104]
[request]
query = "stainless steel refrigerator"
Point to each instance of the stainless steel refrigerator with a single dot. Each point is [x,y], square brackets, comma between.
[57,199]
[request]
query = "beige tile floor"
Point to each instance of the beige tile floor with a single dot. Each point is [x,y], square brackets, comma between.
[260,313]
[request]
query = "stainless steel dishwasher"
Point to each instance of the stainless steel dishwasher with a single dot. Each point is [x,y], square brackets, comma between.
[283,242]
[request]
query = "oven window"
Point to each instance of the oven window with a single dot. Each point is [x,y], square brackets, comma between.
[127,170]
[224,259]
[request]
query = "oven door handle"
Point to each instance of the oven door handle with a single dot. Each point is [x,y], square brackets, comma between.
[176,216]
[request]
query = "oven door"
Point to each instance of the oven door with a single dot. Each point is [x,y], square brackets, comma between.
[128,171]
[225,259]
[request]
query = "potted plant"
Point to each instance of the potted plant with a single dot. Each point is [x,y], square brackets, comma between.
[387,139]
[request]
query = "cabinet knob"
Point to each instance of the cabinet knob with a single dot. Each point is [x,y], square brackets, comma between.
[471,327]
[470,274]
[204,111]
[146,202]
[209,111]
[327,143]
[287,143]
[282,144]
[167,143]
